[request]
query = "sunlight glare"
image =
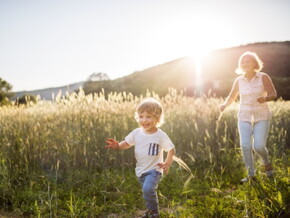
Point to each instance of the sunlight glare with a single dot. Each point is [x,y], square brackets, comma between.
[198,57]
[203,38]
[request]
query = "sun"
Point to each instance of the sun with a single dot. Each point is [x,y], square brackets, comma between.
[202,39]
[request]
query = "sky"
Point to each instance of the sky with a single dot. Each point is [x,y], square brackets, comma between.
[51,43]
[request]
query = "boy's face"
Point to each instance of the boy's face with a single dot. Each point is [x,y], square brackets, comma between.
[147,121]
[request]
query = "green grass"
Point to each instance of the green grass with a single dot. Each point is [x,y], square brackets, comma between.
[53,162]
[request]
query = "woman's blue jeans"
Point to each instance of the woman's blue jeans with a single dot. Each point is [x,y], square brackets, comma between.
[149,183]
[254,137]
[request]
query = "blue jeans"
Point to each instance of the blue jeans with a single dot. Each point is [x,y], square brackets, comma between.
[259,133]
[149,183]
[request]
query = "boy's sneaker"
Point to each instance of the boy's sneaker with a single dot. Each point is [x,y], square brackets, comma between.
[269,170]
[247,179]
[150,214]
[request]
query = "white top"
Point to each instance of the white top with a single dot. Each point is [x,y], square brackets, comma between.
[250,109]
[148,149]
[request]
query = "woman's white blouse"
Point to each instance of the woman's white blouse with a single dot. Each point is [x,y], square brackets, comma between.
[250,109]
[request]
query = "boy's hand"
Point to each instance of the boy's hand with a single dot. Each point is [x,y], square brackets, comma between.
[165,166]
[112,143]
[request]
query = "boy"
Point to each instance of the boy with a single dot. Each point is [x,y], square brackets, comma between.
[150,142]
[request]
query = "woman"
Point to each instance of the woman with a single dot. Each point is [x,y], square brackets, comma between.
[255,89]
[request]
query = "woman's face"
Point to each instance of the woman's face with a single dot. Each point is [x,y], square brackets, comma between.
[248,64]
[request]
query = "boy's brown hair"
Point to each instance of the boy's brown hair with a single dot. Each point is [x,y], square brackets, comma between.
[153,107]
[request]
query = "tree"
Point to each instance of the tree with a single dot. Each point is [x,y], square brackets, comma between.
[26,99]
[98,77]
[5,92]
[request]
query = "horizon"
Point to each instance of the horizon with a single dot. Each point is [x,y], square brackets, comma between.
[148,67]
[198,60]
[51,44]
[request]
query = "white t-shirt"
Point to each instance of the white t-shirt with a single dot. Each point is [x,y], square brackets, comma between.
[148,149]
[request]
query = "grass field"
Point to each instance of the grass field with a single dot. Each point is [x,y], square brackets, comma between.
[53,162]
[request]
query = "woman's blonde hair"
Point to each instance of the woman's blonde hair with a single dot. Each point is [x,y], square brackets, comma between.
[152,107]
[252,55]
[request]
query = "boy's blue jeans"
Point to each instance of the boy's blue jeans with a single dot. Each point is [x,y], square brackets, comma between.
[149,183]
[257,132]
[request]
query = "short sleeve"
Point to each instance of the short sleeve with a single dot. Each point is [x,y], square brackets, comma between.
[130,139]
[166,143]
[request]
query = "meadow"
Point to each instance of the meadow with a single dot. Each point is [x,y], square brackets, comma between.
[53,162]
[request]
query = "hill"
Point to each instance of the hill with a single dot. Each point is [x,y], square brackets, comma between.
[216,72]
[48,93]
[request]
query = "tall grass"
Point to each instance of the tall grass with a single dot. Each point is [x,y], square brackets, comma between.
[53,161]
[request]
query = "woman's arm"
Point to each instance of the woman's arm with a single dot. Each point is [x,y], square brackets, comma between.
[232,96]
[270,89]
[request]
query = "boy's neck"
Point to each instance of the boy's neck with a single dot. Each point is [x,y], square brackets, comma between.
[151,131]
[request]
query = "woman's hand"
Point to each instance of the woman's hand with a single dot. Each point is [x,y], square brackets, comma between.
[222,107]
[262,99]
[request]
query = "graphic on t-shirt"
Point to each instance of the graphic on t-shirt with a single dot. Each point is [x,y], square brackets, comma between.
[153,149]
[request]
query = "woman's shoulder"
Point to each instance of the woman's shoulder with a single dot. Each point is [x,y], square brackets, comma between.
[263,74]
[239,77]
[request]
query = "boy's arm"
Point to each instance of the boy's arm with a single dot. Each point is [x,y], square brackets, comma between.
[169,159]
[112,143]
